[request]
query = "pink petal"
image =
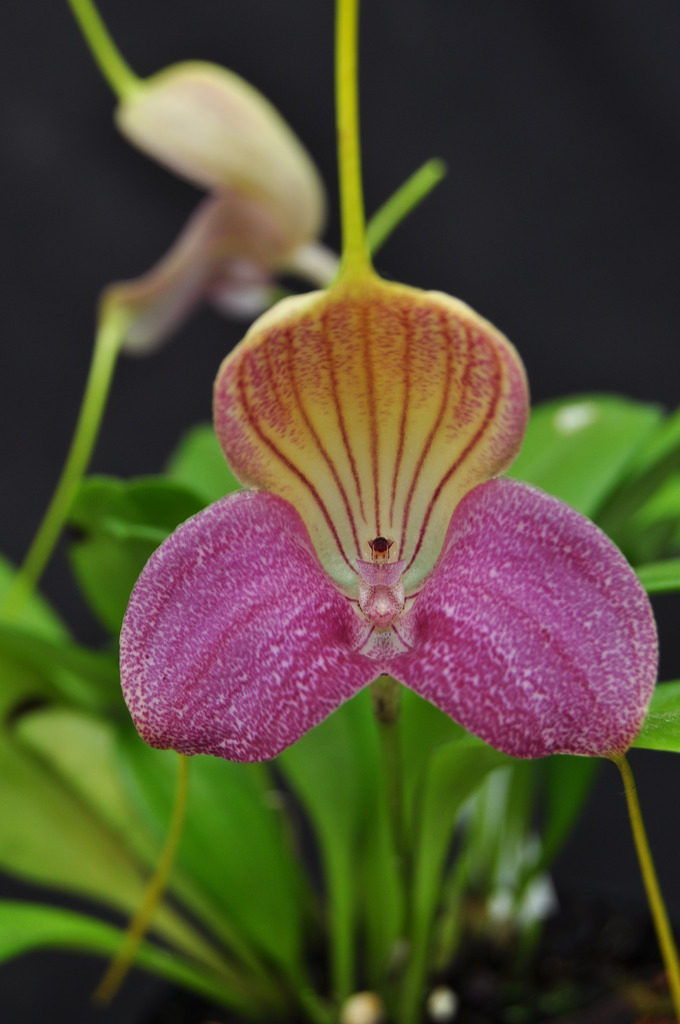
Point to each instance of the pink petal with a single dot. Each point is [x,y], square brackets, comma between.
[229,247]
[533,631]
[235,642]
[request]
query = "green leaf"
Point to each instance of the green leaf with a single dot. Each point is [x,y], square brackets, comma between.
[498,829]
[651,471]
[117,525]
[31,668]
[380,904]
[651,531]
[567,782]
[454,772]
[333,770]
[37,614]
[422,728]
[660,577]
[579,448]
[659,455]
[29,926]
[51,837]
[661,727]
[233,846]
[85,677]
[198,463]
[80,749]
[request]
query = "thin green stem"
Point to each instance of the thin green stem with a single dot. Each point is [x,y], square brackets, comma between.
[657,906]
[402,202]
[314,1008]
[385,694]
[107,346]
[355,258]
[341,916]
[110,61]
[122,962]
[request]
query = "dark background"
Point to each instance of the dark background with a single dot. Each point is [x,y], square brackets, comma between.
[559,221]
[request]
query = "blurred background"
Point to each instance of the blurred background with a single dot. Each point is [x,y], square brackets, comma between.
[559,220]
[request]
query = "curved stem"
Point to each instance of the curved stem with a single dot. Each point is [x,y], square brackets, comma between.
[122,962]
[355,257]
[108,57]
[108,342]
[655,899]
[386,698]
[402,202]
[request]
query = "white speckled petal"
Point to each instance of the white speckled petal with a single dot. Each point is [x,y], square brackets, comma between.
[533,631]
[235,642]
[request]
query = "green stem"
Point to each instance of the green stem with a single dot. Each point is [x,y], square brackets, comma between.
[314,1008]
[114,68]
[655,899]
[341,905]
[385,694]
[107,346]
[138,927]
[402,202]
[253,991]
[355,258]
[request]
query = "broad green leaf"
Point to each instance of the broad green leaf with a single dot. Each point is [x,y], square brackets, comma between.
[37,614]
[233,846]
[422,728]
[50,837]
[660,577]
[657,460]
[333,770]
[29,926]
[199,464]
[454,772]
[39,662]
[579,448]
[380,897]
[661,727]
[498,828]
[654,459]
[85,677]
[567,782]
[651,531]
[81,749]
[116,527]
[496,857]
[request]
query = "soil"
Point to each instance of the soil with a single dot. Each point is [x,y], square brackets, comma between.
[591,966]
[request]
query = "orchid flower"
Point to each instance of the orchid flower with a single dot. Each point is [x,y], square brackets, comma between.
[264,214]
[266,206]
[263,217]
[370,423]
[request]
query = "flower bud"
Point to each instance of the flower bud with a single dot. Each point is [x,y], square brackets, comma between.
[214,129]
